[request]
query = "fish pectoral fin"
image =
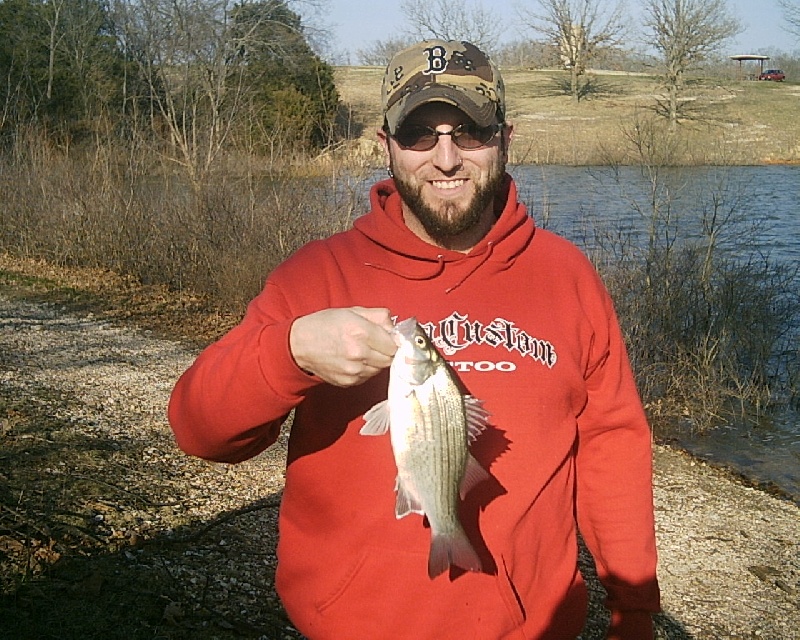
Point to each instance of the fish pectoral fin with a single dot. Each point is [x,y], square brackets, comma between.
[406,503]
[376,420]
[477,417]
[474,474]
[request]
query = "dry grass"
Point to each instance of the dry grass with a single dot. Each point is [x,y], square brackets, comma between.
[727,122]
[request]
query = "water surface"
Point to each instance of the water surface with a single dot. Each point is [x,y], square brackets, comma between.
[575,201]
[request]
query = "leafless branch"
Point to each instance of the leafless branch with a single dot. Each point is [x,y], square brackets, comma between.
[453,21]
[577,28]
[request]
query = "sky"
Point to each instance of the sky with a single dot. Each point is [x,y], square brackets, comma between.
[357,24]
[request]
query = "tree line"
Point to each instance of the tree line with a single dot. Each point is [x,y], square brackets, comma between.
[681,36]
[195,76]
[190,75]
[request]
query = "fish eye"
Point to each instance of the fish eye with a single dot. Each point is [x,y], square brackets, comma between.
[419,341]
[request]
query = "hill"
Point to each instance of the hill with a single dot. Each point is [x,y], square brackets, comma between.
[726,122]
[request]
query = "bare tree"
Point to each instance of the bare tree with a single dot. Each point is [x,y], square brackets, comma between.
[73,27]
[686,33]
[52,15]
[380,52]
[195,56]
[186,53]
[791,13]
[577,28]
[447,20]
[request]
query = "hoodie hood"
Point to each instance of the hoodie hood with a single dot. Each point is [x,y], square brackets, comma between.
[412,258]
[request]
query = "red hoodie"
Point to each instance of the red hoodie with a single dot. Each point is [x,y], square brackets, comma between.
[529,329]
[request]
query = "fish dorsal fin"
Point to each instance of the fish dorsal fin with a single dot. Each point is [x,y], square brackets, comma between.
[474,474]
[477,417]
[376,420]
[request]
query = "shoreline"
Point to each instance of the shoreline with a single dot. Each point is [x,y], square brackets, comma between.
[737,473]
[724,547]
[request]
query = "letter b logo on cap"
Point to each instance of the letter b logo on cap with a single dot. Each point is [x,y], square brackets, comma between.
[437,62]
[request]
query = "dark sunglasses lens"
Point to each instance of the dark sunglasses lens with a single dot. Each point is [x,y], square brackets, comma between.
[416,138]
[471,136]
[465,136]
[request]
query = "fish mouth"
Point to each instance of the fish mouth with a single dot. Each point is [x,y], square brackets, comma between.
[406,328]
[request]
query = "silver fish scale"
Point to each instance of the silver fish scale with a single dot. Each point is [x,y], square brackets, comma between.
[438,455]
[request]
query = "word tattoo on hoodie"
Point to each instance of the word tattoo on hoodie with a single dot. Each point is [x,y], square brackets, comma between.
[457,332]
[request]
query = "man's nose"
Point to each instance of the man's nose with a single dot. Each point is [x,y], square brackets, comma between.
[447,156]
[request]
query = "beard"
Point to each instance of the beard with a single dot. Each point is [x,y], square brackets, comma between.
[447,220]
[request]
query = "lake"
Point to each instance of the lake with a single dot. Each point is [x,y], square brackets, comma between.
[565,198]
[573,200]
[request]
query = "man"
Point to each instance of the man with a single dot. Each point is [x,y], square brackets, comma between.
[528,328]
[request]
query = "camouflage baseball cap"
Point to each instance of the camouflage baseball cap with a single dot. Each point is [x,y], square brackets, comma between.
[457,73]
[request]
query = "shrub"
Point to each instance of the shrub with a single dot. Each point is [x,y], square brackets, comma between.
[101,208]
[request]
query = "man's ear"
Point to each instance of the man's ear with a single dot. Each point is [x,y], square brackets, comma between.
[383,136]
[508,135]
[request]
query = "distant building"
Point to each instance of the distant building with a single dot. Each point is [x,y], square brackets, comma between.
[752,57]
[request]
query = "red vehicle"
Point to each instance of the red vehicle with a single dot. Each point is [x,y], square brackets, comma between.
[772,74]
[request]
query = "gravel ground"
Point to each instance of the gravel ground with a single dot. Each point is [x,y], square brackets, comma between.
[99,501]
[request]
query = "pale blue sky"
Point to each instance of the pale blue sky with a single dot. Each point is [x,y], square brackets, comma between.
[356,24]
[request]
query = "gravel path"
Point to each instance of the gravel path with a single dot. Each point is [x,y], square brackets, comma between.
[729,555]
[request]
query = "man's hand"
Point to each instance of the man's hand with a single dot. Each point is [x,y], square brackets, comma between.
[343,347]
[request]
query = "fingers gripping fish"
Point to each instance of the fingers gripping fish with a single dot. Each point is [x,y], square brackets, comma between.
[430,423]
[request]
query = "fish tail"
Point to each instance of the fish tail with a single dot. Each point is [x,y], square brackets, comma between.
[451,549]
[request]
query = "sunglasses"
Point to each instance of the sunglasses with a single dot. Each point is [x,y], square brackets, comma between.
[465,136]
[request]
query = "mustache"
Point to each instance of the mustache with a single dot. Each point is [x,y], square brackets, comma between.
[446,220]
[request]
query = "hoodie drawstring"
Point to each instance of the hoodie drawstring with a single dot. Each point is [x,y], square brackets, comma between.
[483,258]
[437,270]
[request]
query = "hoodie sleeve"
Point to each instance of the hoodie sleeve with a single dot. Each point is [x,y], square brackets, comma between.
[229,405]
[614,480]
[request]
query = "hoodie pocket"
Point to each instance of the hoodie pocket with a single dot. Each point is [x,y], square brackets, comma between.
[387,595]
[509,594]
[375,574]
[331,599]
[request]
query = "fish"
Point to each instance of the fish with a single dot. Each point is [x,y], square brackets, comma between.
[430,423]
